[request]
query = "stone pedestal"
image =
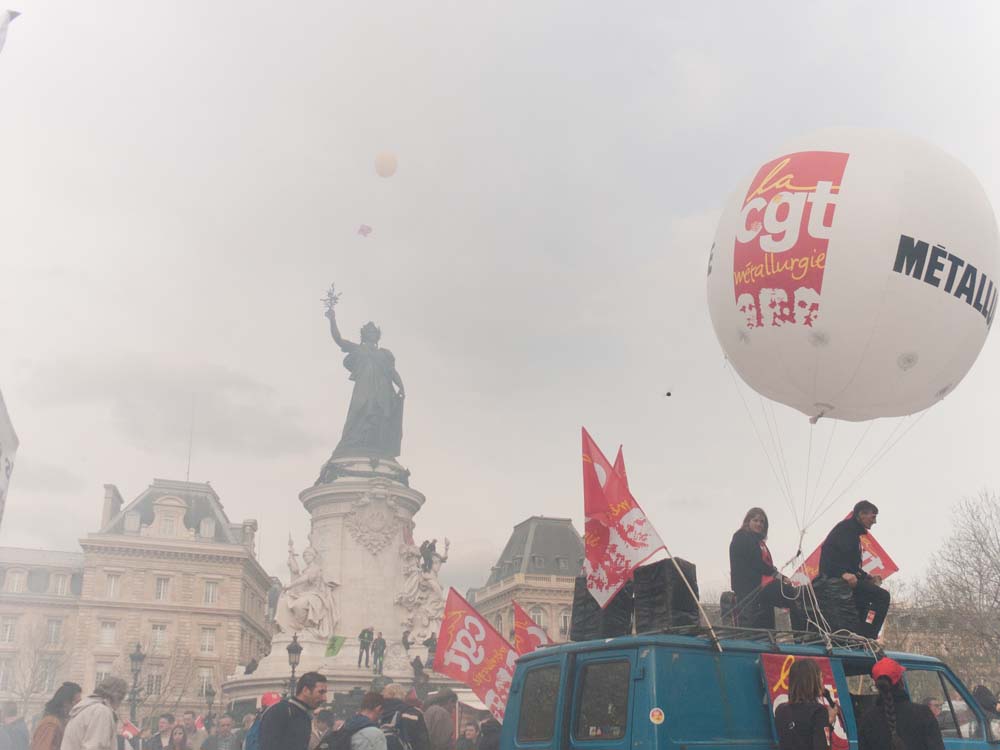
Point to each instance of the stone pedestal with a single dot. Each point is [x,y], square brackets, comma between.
[362,527]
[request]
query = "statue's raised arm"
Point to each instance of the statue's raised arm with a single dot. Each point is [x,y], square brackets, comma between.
[343,343]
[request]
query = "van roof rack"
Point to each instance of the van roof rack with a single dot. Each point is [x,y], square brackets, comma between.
[830,641]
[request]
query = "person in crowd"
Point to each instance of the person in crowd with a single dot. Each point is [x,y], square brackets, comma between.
[246,723]
[470,737]
[758,585]
[896,723]
[287,724]
[365,638]
[161,740]
[440,717]
[226,738]
[195,736]
[378,653]
[49,732]
[935,705]
[489,734]
[179,738]
[408,719]
[840,557]
[987,700]
[803,722]
[251,740]
[92,723]
[361,731]
[13,730]
[322,723]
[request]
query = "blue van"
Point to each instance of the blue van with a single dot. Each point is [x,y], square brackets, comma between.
[685,689]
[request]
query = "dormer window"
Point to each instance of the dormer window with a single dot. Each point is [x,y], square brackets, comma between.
[168,524]
[538,561]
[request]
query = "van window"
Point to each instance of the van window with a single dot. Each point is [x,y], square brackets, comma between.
[934,690]
[538,704]
[602,709]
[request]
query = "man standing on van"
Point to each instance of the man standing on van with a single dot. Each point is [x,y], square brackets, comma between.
[841,558]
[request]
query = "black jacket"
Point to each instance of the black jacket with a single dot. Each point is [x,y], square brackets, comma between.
[489,735]
[287,725]
[841,551]
[801,726]
[411,722]
[915,725]
[746,562]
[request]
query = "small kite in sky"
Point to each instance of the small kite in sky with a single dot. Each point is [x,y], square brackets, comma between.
[5,18]
[364,230]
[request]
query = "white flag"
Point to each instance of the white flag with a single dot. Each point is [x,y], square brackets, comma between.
[5,18]
[8,449]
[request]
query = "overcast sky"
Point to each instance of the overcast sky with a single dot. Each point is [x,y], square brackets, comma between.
[181,181]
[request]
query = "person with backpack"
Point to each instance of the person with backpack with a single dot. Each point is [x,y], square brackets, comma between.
[361,731]
[895,722]
[803,722]
[252,739]
[287,724]
[402,723]
[49,732]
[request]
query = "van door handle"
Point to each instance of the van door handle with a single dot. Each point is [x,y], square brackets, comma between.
[639,674]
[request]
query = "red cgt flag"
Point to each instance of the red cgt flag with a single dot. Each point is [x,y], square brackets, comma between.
[527,634]
[618,536]
[471,651]
[129,730]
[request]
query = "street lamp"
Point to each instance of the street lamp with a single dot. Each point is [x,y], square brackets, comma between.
[294,654]
[136,658]
[209,698]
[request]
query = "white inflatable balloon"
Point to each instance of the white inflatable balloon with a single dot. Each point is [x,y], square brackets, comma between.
[854,275]
[385,164]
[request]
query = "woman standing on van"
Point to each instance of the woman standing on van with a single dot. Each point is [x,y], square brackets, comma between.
[803,722]
[896,723]
[758,585]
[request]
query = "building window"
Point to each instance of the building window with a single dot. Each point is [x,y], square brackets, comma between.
[113,585]
[46,676]
[208,640]
[562,563]
[204,679]
[154,683]
[60,585]
[537,561]
[162,589]
[109,633]
[102,672]
[564,621]
[498,622]
[538,615]
[159,635]
[168,524]
[53,632]
[15,581]
[8,629]
[211,592]
[6,675]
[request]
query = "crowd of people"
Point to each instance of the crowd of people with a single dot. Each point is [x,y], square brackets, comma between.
[393,719]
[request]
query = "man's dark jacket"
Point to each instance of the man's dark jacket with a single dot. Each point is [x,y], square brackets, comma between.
[746,562]
[841,552]
[287,725]
[411,722]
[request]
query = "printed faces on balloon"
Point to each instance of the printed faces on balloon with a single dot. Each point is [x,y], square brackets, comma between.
[782,237]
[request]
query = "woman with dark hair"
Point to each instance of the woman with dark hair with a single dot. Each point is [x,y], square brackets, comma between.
[178,738]
[49,732]
[758,585]
[896,723]
[802,723]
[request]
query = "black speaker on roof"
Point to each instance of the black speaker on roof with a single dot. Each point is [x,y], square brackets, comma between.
[590,621]
[661,598]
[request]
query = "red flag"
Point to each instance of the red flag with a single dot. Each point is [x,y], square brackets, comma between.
[875,561]
[528,635]
[199,723]
[618,536]
[471,651]
[129,730]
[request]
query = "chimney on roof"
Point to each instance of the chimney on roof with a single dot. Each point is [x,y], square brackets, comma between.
[112,504]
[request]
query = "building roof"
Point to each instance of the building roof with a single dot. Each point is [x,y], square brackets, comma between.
[40,557]
[201,501]
[541,546]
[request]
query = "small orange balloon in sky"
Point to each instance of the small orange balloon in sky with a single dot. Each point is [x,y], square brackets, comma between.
[385,164]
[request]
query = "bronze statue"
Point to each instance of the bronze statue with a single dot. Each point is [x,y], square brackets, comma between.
[374,425]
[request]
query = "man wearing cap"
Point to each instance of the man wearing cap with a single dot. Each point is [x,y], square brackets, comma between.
[895,717]
[840,557]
